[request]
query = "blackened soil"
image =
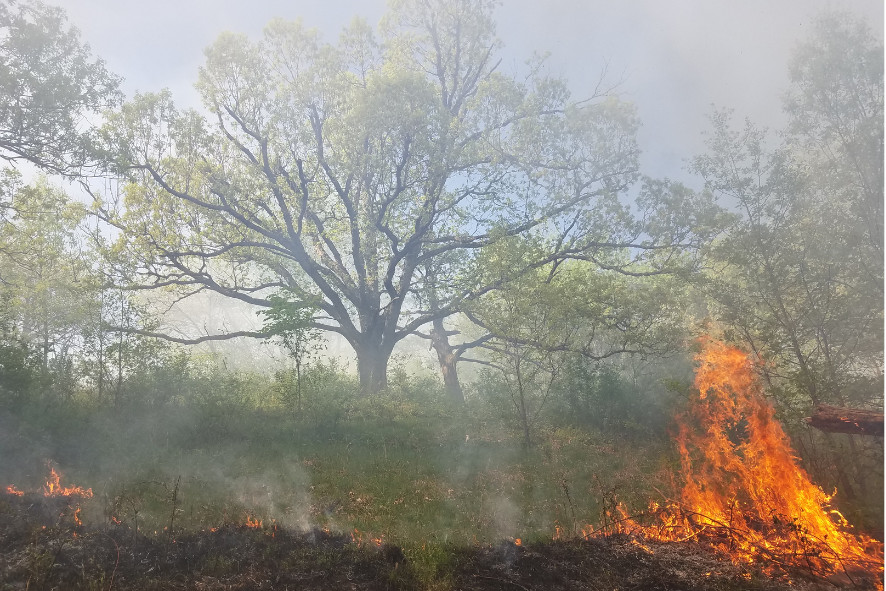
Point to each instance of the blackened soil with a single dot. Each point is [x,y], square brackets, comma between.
[43,547]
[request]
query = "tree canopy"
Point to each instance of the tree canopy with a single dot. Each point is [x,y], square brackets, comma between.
[364,177]
[49,85]
[799,277]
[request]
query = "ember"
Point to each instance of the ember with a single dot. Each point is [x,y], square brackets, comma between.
[745,491]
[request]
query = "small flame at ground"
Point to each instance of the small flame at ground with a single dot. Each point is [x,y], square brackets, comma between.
[253,522]
[361,538]
[53,488]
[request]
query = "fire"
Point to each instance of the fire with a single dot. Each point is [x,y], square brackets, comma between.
[360,538]
[744,489]
[253,522]
[53,488]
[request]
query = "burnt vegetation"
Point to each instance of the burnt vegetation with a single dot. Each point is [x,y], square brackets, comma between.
[43,548]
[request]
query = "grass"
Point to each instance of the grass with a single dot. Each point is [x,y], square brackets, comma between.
[402,467]
[421,476]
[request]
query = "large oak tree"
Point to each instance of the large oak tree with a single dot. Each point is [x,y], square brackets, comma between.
[362,178]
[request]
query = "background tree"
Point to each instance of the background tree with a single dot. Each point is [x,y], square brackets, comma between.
[541,323]
[835,130]
[49,84]
[799,278]
[45,273]
[292,324]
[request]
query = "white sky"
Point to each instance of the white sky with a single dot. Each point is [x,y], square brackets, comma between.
[677,57]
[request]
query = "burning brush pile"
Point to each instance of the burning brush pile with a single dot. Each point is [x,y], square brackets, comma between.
[744,491]
[748,517]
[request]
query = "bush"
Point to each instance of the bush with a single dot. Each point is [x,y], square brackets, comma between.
[600,396]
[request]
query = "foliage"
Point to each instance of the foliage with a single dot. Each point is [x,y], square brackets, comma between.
[366,175]
[55,303]
[45,280]
[599,396]
[799,277]
[546,320]
[393,463]
[19,373]
[49,83]
[292,323]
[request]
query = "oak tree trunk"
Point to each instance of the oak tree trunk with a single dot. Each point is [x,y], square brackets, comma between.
[447,358]
[372,368]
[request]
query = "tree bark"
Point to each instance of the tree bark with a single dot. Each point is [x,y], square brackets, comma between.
[448,359]
[372,368]
[835,419]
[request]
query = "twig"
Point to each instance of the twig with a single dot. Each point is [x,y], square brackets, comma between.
[565,486]
[116,563]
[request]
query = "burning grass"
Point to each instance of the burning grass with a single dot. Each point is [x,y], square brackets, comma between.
[43,547]
[403,500]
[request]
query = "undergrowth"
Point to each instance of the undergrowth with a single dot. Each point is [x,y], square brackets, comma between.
[403,467]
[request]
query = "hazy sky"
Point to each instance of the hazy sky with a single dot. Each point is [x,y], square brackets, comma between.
[677,57]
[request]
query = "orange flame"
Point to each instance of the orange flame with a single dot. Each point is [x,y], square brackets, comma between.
[744,486]
[53,488]
[359,538]
[253,522]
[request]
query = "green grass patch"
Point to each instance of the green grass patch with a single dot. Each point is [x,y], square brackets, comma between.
[390,467]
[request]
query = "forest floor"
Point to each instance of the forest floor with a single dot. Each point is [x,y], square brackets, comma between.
[43,545]
[383,493]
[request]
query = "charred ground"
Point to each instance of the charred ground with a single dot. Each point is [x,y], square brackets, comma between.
[378,493]
[42,547]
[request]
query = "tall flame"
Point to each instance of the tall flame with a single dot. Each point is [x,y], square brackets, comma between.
[744,485]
